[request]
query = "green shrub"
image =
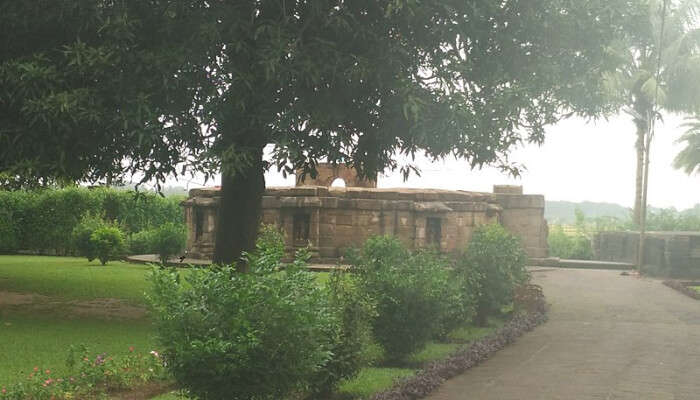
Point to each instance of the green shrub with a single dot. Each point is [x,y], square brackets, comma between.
[108,242]
[82,236]
[460,293]
[409,290]
[576,247]
[141,242]
[43,220]
[169,240]
[269,248]
[497,260]
[349,335]
[230,335]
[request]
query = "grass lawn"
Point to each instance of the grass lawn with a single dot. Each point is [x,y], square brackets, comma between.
[41,336]
[372,380]
[73,278]
[43,341]
[696,288]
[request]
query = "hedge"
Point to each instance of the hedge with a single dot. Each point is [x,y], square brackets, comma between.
[42,221]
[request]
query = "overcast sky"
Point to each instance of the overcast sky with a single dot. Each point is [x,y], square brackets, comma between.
[579,161]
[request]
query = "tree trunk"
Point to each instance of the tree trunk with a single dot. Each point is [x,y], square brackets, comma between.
[641,121]
[639,181]
[240,210]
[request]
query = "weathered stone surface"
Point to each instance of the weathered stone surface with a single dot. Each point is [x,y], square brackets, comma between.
[330,220]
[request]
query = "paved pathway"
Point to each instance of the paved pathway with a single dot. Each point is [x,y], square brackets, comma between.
[608,337]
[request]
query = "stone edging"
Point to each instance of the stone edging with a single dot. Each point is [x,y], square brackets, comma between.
[683,288]
[437,372]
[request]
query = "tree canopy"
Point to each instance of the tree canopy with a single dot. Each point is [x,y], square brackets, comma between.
[664,36]
[96,89]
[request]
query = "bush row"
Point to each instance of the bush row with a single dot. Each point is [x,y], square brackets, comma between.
[42,221]
[275,331]
[94,238]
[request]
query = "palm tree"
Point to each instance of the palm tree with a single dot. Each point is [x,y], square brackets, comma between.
[659,65]
[688,159]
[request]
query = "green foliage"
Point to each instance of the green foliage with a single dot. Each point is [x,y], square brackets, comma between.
[92,376]
[496,257]
[348,336]
[141,242]
[108,243]
[8,235]
[571,247]
[169,240]
[82,236]
[373,80]
[269,248]
[43,220]
[148,91]
[411,292]
[688,159]
[263,335]
[669,219]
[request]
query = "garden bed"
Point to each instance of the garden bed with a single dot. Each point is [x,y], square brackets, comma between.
[688,288]
[435,373]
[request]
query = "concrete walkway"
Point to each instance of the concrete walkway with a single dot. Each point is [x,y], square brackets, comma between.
[608,337]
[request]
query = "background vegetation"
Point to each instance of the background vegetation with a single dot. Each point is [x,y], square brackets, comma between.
[43,221]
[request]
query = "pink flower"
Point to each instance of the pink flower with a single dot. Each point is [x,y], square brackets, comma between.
[155,353]
[48,371]
[131,349]
[36,369]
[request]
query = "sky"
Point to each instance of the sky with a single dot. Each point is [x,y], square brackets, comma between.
[579,161]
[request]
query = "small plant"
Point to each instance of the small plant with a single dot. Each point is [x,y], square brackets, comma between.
[169,240]
[82,235]
[409,290]
[497,260]
[108,242]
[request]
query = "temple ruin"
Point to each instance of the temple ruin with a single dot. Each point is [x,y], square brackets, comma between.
[329,220]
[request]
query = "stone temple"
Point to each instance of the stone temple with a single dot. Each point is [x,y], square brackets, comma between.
[328,220]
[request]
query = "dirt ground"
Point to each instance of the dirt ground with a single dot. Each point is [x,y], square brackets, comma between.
[108,308]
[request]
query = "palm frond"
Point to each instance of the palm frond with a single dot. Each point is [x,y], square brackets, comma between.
[688,159]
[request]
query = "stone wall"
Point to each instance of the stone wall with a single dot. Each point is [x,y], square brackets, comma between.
[524,216]
[673,254]
[330,220]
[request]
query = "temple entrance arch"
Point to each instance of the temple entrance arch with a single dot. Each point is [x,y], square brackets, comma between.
[338,182]
[327,174]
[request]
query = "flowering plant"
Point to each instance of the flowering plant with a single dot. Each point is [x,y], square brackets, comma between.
[89,376]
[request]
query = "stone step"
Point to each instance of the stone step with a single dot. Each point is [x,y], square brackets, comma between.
[586,264]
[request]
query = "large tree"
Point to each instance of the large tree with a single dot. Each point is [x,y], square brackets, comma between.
[96,89]
[659,71]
